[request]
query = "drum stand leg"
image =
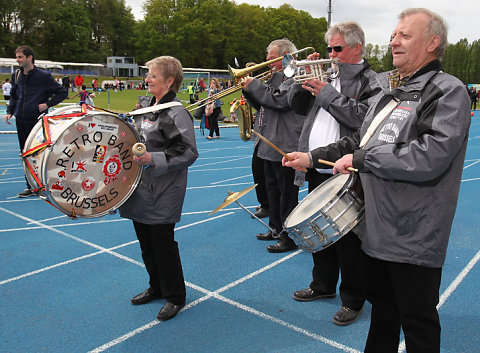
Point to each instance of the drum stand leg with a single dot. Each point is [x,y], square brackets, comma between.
[258,219]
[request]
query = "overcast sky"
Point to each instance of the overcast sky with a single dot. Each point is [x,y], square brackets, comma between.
[378,17]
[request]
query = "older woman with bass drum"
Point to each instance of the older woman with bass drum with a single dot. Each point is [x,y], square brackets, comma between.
[156,204]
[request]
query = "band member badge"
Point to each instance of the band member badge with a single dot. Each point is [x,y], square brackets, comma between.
[99,154]
[111,169]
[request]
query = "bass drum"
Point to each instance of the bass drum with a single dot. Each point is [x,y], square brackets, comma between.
[326,214]
[81,162]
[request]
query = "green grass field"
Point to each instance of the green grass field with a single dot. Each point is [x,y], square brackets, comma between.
[124,101]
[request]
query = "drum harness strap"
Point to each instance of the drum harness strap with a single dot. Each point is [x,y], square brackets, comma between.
[379,119]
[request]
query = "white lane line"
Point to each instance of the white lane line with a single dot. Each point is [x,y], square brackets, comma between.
[216,295]
[474,179]
[116,220]
[217,157]
[193,167]
[450,289]
[240,177]
[290,326]
[49,219]
[470,165]
[21,178]
[217,169]
[216,186]
[60,264]
[98,252]
[13,181]
[59,225]
[93,245]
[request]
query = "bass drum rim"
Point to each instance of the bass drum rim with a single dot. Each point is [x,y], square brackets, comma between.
[49,153]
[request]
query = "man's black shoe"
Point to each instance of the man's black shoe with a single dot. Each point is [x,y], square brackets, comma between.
[26,193]
[308,294]
[168,311]
[261,213]
[267,236]
[146,296]
[283,245]
[345,316]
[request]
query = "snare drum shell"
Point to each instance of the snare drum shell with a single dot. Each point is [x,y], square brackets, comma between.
[326,214]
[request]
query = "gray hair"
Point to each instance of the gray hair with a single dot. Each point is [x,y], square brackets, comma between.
[436,26]
[283,45]
[351,32]
[168,66]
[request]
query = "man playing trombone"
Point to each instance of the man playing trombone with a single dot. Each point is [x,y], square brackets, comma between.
[279,124]
[335,109]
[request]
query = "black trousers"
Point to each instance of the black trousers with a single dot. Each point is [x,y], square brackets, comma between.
[259,178]
[213,121]
[282,194]
[23,130]
[406,296]
[162,260]
[343,257]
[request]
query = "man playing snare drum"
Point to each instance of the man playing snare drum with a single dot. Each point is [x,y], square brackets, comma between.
[335,109]
[410,157]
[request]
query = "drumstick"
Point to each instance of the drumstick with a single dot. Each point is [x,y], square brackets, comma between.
[275,148]
[139,149]
[333,164]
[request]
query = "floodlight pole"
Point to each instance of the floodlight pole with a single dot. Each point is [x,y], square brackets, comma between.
[329,13]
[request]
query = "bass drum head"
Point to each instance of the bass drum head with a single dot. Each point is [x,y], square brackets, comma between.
[89,170]
[37,138]
[316,199]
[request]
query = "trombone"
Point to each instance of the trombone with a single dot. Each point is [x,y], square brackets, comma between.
[238,74]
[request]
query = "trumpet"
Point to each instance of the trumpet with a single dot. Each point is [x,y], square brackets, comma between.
[238,74]
[304,70]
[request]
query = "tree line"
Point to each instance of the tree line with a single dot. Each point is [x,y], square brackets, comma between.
[200,33]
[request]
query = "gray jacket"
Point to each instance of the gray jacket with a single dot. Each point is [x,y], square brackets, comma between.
[412,166]
[170,138]
[358,85]
[281,125]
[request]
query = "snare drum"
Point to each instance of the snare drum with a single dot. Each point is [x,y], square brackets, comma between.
[327,213]
[81,162]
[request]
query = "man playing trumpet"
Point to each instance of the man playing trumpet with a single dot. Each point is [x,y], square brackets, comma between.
[335,109]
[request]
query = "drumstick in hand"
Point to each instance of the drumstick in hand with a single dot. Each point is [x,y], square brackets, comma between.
[333,164]
[139,149]
[275,147]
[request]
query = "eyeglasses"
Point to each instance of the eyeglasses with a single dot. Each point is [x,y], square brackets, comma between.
[336,49]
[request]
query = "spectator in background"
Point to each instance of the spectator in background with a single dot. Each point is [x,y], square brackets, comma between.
[66,82]
[78,82]
[213,109]
[85,96]
[6,88]
[473,97]
[191,92]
